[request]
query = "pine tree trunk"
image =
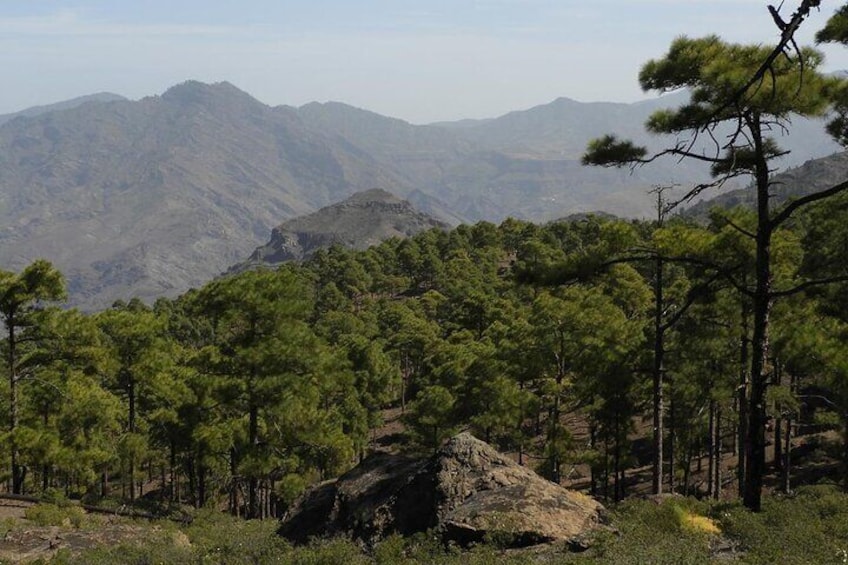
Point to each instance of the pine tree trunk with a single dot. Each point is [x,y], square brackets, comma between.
[699,452]
[131,426]
[234,498]
[593,469]
[191,471]
[659,354]
[253,481]
[201,485]
[742,398]
[787,457]
[687,471]
[778,435]
[671,440]
[172,471]
[755,457]
[14,449]
[844,453]
[711,452]
[606,468]
[617,462]
[717,456]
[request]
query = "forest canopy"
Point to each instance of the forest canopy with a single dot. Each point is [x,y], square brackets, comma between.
[257,385]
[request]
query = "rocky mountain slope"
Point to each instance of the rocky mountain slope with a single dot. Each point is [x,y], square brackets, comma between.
[363,220]
[812,176]
[151,197]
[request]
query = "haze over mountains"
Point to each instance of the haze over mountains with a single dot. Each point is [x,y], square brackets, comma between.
[151,197]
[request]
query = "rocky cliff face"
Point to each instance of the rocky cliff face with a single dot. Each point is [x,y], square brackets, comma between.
[467,491]
[363,220]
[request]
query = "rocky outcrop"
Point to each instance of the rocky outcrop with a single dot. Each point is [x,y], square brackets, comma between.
[365,219]
[468,492]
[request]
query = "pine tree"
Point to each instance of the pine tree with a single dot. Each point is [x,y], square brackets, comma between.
[22,295]
[716,71]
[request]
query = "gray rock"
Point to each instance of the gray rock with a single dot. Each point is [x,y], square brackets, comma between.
[468,492]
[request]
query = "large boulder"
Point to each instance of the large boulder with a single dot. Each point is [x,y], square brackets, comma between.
[467,492]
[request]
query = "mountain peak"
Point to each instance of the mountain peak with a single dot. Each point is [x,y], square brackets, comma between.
[373,195]
[196,92]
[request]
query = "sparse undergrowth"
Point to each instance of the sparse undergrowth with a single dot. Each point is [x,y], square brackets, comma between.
[49,514]
[808,527]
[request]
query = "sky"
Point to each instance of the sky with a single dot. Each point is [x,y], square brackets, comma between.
[421,61]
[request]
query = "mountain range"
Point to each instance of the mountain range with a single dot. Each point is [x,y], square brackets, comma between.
[151,197]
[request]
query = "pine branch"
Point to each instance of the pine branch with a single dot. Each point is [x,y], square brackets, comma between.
[693,295]
[808,284]
[720,270]
[740,229]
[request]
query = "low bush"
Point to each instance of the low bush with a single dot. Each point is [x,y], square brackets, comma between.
[66,515]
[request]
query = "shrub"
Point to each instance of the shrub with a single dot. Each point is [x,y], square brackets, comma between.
[654,533]
[809,527]
[66,516]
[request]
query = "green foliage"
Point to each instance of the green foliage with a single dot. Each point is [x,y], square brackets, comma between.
[430,418]
[810,527]
[274,380]
[715,71]
[609,151]
[66,516]
[24,292]
[654,533]
[836,29]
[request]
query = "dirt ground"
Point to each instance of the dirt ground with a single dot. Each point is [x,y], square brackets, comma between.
[13,509]
[24,541]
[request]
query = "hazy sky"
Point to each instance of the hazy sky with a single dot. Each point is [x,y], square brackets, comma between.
[421,61]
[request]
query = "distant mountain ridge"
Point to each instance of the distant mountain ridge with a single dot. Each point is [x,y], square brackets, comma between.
[33,111]
[362,220]
[151,197]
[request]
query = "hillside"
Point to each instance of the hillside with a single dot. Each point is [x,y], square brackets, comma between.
[363,220]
